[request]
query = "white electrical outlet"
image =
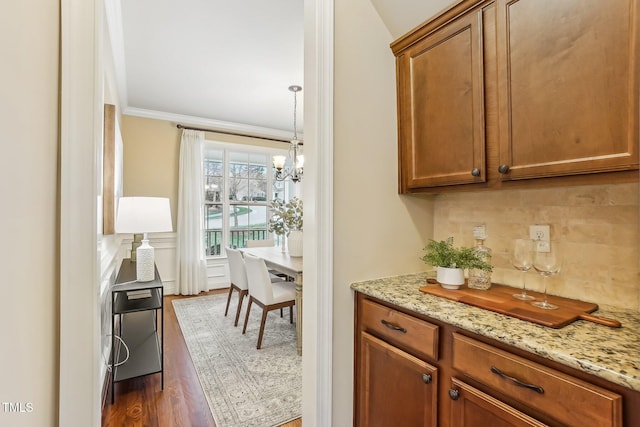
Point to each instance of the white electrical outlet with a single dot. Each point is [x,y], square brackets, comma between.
[542,236]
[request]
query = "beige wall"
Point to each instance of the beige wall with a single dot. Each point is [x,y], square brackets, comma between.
[29,216]
[151,152]
[376,232]
[152,155]
[597,227]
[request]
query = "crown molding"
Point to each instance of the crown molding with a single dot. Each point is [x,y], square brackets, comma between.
[210,123]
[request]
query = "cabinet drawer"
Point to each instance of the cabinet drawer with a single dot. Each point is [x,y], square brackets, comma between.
[567,399]
[407,332]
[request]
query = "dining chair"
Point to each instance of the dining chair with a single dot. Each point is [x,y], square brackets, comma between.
[262,244]
[238,276]
[265,293]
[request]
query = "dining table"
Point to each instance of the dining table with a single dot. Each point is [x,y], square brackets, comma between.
[280,261]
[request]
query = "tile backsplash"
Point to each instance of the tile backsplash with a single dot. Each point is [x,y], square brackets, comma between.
[596,228]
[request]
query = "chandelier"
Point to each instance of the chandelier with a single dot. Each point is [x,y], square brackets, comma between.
[295,150]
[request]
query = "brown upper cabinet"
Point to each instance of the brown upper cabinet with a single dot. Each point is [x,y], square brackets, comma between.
[492,94]
[441,96]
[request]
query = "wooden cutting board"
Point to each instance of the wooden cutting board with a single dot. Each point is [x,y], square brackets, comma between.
[499,298]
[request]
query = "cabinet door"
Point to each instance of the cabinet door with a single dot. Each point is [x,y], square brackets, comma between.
[441,107]
[568,86]
[394,388]
[472,408]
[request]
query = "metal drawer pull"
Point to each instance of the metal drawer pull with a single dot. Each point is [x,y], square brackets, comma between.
[393,327]
[426,378]
[533,387]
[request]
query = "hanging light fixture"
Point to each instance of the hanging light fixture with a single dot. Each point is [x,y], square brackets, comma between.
[295,150]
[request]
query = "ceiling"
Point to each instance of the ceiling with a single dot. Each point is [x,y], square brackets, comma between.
[226,64]
[400,16]
[223,64]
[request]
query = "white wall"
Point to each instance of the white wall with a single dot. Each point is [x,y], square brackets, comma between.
[29,214]
[401,19]
[376,232]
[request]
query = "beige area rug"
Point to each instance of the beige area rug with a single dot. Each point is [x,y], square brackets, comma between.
[245,387]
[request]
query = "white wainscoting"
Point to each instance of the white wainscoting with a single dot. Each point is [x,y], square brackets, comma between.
[218,273]
[165,253]
[114,248]
[109,264]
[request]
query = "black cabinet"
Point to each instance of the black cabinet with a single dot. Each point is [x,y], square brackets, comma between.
[137,326]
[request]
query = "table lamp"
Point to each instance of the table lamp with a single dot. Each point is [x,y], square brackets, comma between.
[144,215]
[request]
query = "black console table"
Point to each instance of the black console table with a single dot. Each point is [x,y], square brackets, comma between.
[136,305]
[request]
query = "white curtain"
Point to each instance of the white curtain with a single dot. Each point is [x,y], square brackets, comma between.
[191,266]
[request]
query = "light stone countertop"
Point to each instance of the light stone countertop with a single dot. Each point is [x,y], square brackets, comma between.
[610,353]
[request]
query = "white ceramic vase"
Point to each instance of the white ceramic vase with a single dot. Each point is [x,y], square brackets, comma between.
[294,242]
[450,278]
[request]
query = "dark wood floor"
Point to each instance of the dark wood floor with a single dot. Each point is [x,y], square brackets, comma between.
[140,402]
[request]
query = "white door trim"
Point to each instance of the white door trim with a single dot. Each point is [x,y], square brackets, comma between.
[317,350]
[81,109]
[80,136]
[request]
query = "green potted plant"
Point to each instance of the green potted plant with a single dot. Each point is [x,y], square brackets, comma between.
[450,262]
[287,220]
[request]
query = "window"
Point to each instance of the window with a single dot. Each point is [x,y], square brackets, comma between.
[238,187]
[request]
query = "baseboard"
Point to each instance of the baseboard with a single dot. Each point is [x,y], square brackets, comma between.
[106,382]
[106,386]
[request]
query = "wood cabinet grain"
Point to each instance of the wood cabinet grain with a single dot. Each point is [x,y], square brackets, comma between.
[441,115]
[568,92]
[471,381]
[539,387]
[519,93]
[396,388]
[473,408]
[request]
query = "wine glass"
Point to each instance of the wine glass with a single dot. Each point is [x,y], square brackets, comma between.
[522,259]
[547,264]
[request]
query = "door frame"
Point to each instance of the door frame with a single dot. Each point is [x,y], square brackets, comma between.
[81,100]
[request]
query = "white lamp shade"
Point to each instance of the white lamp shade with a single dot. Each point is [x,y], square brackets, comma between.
[143,215]
[278,161]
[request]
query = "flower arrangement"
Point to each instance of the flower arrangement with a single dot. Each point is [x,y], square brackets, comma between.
[286,217]
[444,254]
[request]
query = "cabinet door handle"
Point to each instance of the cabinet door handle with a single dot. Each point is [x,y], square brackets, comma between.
[475,172]
[454,394]
[517,382]
[426,378]
[503,169]
[393,327]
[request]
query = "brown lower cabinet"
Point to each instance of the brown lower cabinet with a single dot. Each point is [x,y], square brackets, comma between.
[411,370]
[396,388]
[473,408]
